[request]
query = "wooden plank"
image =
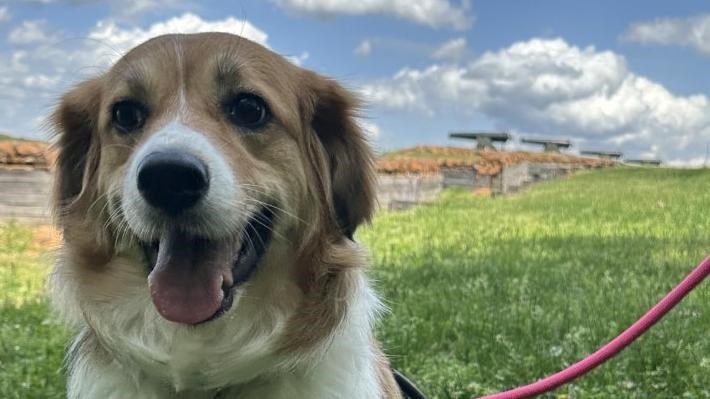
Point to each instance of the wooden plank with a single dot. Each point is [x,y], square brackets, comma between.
[25,188]
[25,201]
[22,196]
[21,176]
[25,196]
[29,180]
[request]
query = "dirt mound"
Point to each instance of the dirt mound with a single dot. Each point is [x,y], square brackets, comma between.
[430,160]
[424,166]
[19,154]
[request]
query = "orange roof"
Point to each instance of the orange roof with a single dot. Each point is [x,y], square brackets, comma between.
[25,155]
[430,159]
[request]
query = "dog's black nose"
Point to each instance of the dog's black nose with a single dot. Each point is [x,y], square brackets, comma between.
[172,181]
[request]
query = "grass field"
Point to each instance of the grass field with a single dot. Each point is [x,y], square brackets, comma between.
[486,293]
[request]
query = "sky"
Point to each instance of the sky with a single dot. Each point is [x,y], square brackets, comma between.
[630,76]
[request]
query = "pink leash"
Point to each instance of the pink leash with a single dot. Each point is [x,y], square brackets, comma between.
[612,348]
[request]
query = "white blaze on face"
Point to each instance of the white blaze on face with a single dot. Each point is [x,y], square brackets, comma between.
[219,213]
[215,216]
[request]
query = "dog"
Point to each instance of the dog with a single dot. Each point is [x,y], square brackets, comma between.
[207,191]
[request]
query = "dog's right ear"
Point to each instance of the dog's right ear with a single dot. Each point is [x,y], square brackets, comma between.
[75,122]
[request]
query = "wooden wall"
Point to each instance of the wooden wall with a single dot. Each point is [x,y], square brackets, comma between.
[403,191]
[25,196]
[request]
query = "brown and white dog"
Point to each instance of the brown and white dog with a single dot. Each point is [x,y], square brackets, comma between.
[208,190]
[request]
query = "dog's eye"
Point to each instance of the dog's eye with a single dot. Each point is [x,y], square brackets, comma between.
[128,116]
[247,110]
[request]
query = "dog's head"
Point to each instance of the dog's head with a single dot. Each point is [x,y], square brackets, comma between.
[210,162]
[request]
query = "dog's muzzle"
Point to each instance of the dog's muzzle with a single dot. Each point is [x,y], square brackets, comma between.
[192,277]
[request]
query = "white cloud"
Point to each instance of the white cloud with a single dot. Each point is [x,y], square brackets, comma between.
[111,35]
[690,32]
[371,129]
[454,50]
[135,7]
[423,90]
[450,50]
[42,65]
[40,81]
[549,87]
[299,59]
[31,32]
[364,48]
[433,13]
[4,14]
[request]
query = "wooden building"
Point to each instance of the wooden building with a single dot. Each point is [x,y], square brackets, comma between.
[25,181]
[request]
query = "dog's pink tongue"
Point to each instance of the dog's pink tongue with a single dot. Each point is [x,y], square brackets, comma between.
[186,282]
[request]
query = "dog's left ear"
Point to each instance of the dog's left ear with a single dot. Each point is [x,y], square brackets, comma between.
[349,156]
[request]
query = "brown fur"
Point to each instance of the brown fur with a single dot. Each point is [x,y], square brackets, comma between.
[390,388]
[313,154]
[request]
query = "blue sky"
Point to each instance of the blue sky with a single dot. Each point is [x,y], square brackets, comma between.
[630,76]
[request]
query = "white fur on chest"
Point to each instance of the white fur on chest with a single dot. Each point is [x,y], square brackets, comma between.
[143,356]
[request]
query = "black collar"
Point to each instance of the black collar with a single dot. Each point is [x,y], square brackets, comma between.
[409,390]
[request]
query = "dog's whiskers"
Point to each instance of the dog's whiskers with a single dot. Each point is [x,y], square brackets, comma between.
[262,223]
[261,191]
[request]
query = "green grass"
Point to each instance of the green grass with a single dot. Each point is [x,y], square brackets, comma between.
[32,341]
[485,293]
[489,293]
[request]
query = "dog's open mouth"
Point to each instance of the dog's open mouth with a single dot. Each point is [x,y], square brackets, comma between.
[192,279]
